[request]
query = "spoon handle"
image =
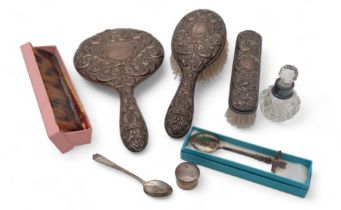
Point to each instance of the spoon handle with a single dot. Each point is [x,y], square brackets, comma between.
[133,128]
[99,158]
[180,112]
[264,159]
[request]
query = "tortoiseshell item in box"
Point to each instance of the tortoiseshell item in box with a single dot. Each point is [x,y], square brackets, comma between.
[58,91]
[64,117]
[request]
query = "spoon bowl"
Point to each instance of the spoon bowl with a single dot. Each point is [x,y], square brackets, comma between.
[205,142]
[157,188]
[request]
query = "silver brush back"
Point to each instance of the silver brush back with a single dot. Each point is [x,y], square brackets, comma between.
[244,86]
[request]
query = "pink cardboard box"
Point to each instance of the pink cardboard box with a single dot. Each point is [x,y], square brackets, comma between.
[64,141]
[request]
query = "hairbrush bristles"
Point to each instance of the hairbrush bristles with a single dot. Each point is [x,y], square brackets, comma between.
[240,120]
[214,69]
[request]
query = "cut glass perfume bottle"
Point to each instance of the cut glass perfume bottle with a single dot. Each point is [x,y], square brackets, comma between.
[280,101]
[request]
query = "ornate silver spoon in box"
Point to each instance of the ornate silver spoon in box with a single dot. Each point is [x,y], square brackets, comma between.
[207,142]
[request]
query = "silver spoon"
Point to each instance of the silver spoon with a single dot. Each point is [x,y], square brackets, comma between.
[209,143]
[155,188]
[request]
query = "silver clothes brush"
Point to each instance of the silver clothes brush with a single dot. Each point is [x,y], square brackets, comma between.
[244,86]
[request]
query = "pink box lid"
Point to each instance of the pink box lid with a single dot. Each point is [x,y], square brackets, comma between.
[63,141]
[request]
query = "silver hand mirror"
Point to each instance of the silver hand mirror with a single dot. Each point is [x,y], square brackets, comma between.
[122,59]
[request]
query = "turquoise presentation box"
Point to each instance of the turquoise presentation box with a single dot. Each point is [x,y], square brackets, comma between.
[246,172]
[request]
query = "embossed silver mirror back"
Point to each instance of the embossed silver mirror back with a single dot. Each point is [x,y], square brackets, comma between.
[122,58]
[119,57]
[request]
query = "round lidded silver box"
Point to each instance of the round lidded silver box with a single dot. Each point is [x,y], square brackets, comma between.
[187,175]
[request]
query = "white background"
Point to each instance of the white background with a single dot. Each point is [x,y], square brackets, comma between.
[34,175]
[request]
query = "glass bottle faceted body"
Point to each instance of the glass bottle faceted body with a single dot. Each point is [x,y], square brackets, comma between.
[277,109]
